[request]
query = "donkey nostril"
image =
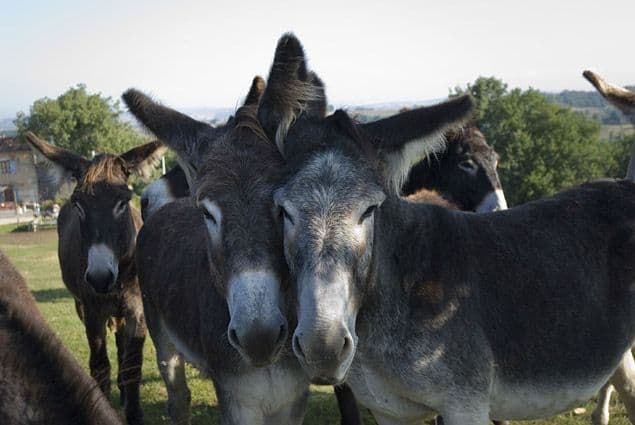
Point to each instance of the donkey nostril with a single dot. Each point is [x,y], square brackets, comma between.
[347,347]
[297,347]
[233,338]
[282,335]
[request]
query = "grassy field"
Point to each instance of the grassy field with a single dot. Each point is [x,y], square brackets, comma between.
[35,256]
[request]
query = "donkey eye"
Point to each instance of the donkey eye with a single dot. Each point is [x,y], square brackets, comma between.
[284,214]
[368,213]
[120,208]
[209,216]
[468,166]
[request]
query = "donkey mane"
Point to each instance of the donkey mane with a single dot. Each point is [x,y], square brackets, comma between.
[247,118]
[104,168]
[245,124]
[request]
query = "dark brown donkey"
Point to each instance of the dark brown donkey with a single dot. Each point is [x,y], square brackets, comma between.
[97,231]
[464,173]
[40,381]
[212,273]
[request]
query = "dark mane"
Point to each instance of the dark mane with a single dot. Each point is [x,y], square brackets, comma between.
[104,168]
[231,161]
[247,119]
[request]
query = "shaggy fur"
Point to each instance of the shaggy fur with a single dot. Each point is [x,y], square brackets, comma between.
[40,381]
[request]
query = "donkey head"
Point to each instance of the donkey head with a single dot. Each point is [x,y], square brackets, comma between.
[338,175]
[233,190]
[101,202]
[465,172]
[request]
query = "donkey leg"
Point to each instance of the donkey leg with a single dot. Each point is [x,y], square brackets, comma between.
[98,361]
[463,410]
[600,415]
[233,412]
[293,415]
[624,382]
[134,331]
[79,309]
[382,419]
[120,340]
[172,368]
[349,411]
[471,416]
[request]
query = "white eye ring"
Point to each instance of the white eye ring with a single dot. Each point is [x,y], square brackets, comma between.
[120,208]
[211,212]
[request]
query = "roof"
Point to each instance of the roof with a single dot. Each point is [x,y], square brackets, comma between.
[10,144]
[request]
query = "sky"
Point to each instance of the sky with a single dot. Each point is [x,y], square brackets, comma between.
[205,53]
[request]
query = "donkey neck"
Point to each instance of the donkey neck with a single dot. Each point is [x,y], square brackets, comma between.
[405,277]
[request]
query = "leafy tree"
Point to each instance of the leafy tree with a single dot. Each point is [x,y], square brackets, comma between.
[544,147]
[80,121]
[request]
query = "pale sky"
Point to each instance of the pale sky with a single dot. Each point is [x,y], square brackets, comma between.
[204,53]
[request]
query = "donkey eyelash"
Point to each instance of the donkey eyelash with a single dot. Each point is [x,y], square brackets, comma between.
[369,212]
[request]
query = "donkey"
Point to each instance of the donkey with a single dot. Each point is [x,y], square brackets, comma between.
[424,309]
[168,188]
[464,174]
[40,381]
[624,377]
[462,177]
[211,268]
[97,231]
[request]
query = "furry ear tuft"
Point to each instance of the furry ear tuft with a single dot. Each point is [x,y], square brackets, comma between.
[291,90]
[142,159]
[60,164]
[404,139]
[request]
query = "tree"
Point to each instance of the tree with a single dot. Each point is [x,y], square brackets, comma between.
[80,121]
[544,147]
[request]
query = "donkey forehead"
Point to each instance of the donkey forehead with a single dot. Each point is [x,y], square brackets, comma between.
[332,178]
[102,193]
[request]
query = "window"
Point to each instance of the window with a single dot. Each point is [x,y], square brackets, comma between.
[5,167]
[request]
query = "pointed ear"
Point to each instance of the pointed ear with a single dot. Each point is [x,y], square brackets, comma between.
[140,160]
[404,139]
[177,130]
[622,99]
[60,163]
[255,91]
[316,107]
[291,90]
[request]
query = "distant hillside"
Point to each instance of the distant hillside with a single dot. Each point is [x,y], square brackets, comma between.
[591,104]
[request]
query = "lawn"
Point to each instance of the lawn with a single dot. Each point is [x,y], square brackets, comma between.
[35,256]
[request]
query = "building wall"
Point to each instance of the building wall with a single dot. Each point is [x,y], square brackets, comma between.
[22,175]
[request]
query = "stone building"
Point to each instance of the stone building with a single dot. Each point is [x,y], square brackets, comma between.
[22,175]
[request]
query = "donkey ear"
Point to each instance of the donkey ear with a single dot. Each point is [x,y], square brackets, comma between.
[140,160]
[60,163]
[255,91]
[622,99]
[177,130]
[291,89]
[404,139]
[316,106]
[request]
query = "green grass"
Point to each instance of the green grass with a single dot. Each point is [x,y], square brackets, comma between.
[35,256]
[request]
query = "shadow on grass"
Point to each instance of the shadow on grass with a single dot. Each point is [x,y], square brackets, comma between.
[50,295]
